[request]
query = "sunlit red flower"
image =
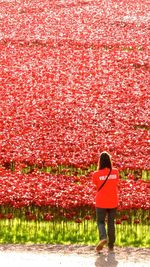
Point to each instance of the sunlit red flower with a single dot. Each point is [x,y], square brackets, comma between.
[87,217]
[2,216]
[136,221]
[78,220]
[124,218]
[48,217]
[9,216]
[30,216]
[118,221]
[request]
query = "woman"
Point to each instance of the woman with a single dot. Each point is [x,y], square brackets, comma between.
[106,180]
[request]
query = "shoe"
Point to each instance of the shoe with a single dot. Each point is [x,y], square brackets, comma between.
[111,249]
[101,244]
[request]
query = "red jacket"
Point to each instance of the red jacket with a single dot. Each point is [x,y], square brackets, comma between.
[107,197]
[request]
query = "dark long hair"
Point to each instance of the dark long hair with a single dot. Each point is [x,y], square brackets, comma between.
[104,161]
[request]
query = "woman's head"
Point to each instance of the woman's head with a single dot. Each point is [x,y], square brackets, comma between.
[104,161]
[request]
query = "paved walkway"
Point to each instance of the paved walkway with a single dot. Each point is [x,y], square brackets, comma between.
[74,256]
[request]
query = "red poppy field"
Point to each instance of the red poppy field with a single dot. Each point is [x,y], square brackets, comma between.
[74,81]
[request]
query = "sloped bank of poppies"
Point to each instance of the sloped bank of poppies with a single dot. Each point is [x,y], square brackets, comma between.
[74,82]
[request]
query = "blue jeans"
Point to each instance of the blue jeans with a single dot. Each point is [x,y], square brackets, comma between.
[101,216]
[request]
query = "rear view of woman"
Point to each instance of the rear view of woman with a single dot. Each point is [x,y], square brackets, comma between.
[106,180]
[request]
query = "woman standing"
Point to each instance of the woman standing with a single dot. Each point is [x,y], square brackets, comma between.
[106,180]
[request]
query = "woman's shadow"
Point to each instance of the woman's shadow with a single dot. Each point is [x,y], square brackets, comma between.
[106,260]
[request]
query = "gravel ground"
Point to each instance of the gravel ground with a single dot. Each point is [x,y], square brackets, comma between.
[74,255]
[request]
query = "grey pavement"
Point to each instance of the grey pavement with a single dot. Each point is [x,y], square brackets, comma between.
[48,256]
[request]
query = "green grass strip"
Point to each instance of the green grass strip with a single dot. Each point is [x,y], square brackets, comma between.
[19,231]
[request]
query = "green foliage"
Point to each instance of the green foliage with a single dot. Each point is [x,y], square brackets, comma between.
[71,170]
[132,235]
[35,232]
